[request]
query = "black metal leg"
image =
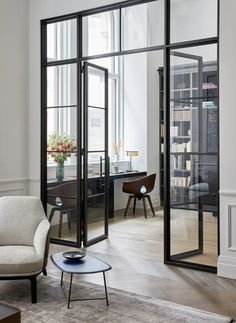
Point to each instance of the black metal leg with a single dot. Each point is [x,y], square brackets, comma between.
[134,205]
[71,277]
[105,285]
[45,272]
[33,283]
[200,231]
[61,278]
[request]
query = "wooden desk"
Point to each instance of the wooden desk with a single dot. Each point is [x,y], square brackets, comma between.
[96,178]
[9,314]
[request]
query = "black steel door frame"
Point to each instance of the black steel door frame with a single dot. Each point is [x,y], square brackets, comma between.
[105,184]
[166,47]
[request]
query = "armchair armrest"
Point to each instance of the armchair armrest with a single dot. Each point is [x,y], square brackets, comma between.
[41,239]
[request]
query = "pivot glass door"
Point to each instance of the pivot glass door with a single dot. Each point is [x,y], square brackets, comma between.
[192,208]
[95,154]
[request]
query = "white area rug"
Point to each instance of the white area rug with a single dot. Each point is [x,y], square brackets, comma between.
[124,307]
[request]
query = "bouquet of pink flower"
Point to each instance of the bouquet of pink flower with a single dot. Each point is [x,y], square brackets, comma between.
[60,147]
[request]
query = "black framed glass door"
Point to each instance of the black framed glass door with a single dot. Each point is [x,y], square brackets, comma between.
[95,154]
[192,176]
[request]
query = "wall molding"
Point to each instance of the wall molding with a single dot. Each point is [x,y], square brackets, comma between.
[230,246]
[227,193]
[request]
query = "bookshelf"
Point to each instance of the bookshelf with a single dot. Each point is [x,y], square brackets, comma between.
[193,129]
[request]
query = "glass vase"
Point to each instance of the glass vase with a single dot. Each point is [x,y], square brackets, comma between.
[60,171]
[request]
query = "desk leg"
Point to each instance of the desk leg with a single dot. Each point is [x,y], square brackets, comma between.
[111,199]
[61,278]
[105,285]
[71,277]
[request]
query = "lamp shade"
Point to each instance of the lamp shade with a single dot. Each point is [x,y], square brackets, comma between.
[132,153]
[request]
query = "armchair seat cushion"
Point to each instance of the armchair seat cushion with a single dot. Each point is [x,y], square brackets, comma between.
[19,261]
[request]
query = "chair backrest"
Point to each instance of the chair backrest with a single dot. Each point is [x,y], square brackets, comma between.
[64,195]
[19,219]
[140,186]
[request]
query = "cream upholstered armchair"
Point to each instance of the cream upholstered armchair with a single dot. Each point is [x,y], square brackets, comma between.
[24,232]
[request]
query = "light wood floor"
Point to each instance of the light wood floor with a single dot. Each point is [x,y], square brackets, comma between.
[135,251]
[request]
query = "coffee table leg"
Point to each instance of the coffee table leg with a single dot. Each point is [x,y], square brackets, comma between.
[71,277]
[61,278]
[105,285]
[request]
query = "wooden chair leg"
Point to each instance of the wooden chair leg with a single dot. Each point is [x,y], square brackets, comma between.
[128,204]
[33,284]
[60,225]
[150,203]
[134,205]
[144,207]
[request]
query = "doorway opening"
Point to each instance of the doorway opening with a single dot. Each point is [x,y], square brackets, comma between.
[126,92]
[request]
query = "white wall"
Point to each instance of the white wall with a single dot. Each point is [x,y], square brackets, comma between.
[227,259]
[14,87]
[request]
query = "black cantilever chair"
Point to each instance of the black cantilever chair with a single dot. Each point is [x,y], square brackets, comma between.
[139,189]
[63,199]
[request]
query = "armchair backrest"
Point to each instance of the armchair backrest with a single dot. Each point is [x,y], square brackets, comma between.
[19,219]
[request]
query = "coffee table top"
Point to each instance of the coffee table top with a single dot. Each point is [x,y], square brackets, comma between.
[86,265]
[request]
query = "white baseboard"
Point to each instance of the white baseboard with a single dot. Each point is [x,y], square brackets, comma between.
[226,267]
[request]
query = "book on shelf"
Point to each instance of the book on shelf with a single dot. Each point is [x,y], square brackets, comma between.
[180,181]
[181,148]
[174,131]
[180,115]
[188,165]
[162,130]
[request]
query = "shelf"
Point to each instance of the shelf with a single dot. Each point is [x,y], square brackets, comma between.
[181,137]
[193,153]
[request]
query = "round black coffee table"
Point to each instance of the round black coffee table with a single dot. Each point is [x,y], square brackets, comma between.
[86,265]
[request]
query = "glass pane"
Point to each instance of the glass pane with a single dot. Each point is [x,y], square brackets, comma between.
[187,243]
[96,87]
[62,85]
[96,216]
[62,121]
[61,167]
[96,170]
[194,181]
[194,173]
[143,25]
[62,40]
[62,209]
[101,33]
[96,129]
[191,19]
[193,100]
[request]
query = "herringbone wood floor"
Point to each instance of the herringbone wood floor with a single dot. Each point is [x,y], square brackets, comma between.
[135,251]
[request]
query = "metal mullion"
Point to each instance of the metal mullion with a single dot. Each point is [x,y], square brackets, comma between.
[193,43]
[218,100]
[167,233]
[43,171]
[85,154]
[61,62]
[61,107]
[94,107]
[79,133]
[124,52]
[107,166]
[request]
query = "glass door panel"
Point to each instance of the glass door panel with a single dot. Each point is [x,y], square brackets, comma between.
[193,155]
[96,164]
